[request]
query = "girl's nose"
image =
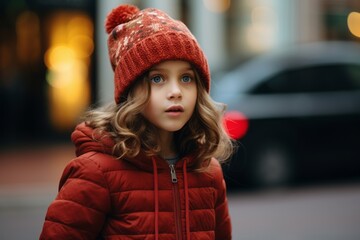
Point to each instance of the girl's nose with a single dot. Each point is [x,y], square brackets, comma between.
[174,90]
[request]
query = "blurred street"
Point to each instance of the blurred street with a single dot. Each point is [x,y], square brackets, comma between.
[29,178]
[28,183]
[321,213]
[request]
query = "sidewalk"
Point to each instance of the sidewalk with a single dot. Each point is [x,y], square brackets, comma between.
[29,178]
[30,175]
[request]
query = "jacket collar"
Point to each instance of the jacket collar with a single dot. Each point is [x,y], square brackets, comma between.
[86,140]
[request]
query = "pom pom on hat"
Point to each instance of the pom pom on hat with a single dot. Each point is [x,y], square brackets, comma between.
[119,15]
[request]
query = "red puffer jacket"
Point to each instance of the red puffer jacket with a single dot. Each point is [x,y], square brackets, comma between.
[101,197]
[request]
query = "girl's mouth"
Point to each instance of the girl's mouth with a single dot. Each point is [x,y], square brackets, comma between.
[175,109]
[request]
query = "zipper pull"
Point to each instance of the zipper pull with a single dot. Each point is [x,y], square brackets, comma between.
[173,173]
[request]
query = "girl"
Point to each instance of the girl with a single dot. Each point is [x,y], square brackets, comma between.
[145,166]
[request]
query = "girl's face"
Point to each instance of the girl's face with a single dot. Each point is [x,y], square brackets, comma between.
[173,95]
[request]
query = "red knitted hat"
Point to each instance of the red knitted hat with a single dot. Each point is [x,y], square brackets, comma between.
[139,40]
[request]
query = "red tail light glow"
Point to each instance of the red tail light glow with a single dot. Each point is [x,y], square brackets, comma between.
[236,124]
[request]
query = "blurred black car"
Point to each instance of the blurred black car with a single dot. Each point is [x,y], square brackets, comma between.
[295,115]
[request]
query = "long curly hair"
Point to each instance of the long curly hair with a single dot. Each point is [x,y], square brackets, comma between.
[202,136]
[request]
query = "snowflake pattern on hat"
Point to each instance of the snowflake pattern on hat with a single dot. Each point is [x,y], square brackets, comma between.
[134,31]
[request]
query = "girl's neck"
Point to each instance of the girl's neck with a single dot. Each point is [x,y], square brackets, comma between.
[168,149]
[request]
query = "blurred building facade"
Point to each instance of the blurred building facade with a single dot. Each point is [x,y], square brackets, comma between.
[54,62]
[47,67]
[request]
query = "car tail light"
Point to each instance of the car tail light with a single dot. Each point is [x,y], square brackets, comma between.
[236,124]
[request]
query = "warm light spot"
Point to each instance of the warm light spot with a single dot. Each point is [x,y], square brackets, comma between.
[259,37]
[260,34]
[83,45]
[218,6]
[63,75]
[58,55]
[262,14]
[67,59]
[69,93]
[353,22]
[80,25]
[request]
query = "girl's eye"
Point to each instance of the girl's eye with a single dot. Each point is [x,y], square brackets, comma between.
[186,79]
[156,79]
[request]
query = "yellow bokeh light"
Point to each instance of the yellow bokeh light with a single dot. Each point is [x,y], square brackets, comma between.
[80,25]
[69,93]
[67,59]
[353,22]
[262,14]
[218,6]
[260,34]
[83,45]
[58,55]
[63,74]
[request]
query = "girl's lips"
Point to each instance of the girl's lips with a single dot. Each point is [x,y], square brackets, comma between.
[175,109]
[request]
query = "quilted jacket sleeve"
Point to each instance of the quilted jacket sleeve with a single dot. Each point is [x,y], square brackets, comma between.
[80,208]
[223,221]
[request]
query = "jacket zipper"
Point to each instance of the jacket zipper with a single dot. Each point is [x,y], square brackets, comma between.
[176,201]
